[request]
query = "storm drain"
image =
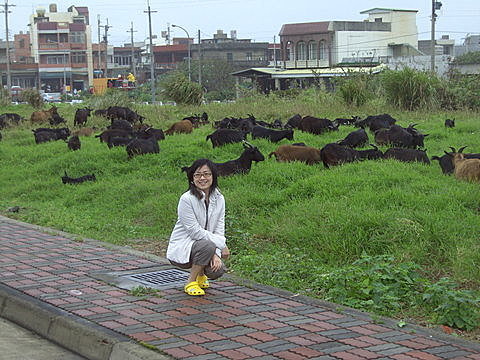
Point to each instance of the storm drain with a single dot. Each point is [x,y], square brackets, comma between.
[160,279]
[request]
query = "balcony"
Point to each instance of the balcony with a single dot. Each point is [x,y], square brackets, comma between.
[54,46]
[304,64]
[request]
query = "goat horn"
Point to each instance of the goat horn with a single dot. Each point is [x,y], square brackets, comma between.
[247,144]
[461,149]
[374,146]
[452,148]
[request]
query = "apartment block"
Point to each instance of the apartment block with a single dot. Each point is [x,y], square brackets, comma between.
[62,47]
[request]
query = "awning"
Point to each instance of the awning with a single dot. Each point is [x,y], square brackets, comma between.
[54,75]
[276,73]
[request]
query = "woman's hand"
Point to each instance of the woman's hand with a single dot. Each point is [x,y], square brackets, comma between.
[215,263]
[225,253]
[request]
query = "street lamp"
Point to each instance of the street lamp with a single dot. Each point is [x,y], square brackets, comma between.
[188,47]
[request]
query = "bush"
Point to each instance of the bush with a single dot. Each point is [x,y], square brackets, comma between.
[32,96]
[410,89]
[178,88]
[452,307]
[5,98]
[112,97]
[355,90]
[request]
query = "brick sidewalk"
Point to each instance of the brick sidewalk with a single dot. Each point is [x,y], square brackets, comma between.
[233,321]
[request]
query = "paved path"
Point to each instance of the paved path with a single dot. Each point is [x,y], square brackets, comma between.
[235,320]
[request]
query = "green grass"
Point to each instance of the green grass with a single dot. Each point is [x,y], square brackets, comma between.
[287,223]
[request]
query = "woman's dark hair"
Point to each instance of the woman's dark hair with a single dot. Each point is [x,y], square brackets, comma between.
[191,170]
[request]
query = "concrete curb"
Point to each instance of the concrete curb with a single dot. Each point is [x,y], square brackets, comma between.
[70,331]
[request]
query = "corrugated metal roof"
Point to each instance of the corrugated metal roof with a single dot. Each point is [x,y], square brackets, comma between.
[306,73]
[378,10]
[304,28]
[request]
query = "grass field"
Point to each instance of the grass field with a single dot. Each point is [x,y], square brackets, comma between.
[288,225]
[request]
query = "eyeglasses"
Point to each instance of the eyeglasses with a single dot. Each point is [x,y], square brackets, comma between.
[206,175]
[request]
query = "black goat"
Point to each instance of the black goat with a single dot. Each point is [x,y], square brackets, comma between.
[357,138]
[376,122]
[121,124]
[335,154]
[106,135]
[69,180]
[118,141]
[81,116]
[272,135]
[407,155]
[74,143]
[226,136]
[142,146]
[315,125]
[243,164]
[56,120]
[46,134]
[450,123]
[400,137]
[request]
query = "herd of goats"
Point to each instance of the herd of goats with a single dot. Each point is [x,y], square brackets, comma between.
[127,129]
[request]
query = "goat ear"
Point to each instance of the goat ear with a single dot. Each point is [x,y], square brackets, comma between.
[425,135]
[435,157]
[449,154]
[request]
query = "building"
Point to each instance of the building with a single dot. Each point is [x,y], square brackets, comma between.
[23,70]
[471,43]
[240,52]
[385,33]
[62,47]
[443,46]
[315,52]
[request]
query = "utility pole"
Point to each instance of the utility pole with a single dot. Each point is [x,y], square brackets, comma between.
[99,40]
[131,31]
[152,65]
[105,39]
[188,49]
[199,60]
[436,5]
[9,75]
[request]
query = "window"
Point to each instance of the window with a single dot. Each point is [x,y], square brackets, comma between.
[79,58]
[249,56]
[229,56]
[322,52]
[21,44]
[77,37]
[57,59]
[301,51]
[312,50]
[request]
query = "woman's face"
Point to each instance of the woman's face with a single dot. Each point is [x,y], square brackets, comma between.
[202,178]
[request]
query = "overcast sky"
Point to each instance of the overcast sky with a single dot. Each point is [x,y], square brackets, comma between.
[253,19]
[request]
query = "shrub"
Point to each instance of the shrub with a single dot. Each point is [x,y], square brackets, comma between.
[32,96]
[355,90]
[410,89]
[452,307]
[178,88]
[373,283]
[112,97]
[5,98]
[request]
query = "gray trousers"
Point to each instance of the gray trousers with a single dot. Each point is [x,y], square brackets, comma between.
[201,254]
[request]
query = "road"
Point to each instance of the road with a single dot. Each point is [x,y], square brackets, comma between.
[17,343]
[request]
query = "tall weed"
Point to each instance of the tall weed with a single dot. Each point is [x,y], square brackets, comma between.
[410,89]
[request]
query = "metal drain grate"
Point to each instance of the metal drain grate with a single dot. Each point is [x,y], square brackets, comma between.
[160,279]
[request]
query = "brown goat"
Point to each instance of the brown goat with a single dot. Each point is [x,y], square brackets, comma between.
[306,154]
[42,116]
[184,126]
[84,132]
[465,169]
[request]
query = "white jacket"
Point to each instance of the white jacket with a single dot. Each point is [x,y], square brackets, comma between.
[192,225]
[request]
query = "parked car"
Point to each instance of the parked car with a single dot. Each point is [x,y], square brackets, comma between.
[52,97]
